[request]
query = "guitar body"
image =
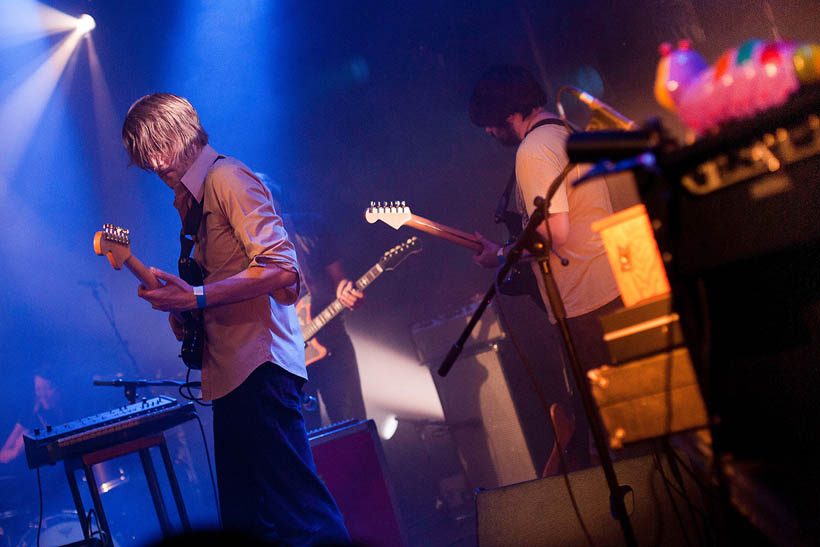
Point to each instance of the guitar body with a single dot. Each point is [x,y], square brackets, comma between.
[193,340]
[313,349]
[564,425]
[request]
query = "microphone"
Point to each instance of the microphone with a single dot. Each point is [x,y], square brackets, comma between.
[603,111]
[607,167]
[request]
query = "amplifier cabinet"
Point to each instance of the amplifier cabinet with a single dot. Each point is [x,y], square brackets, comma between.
[539,512]
[641,330]
[350,460]
[648,397]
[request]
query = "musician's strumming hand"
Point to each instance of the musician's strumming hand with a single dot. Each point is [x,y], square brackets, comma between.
[348,295]
[175,295]
[488,256]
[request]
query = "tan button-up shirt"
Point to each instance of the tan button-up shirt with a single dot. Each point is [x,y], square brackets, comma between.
[240,230]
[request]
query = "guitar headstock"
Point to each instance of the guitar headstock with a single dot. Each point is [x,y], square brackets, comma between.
[114,242]
[397,254]
[394,213]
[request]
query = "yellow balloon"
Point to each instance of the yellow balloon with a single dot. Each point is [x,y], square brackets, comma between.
[807,63]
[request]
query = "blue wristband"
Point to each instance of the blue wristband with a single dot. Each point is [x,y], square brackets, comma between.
[199,292]
[500,253]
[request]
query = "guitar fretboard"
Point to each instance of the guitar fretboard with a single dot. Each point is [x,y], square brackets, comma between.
[336,306]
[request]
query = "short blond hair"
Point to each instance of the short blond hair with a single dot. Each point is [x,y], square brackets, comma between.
[164,125]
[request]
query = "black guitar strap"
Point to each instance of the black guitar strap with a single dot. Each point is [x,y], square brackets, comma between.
[521,280]
[189,269]
[502,212]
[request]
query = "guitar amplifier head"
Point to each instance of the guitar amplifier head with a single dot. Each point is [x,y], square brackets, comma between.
[434,337]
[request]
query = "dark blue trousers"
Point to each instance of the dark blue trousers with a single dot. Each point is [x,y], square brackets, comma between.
[268,486]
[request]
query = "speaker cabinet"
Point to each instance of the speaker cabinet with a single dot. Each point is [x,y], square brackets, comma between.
[490,405]
[480,413]
[350,461]
[540,513]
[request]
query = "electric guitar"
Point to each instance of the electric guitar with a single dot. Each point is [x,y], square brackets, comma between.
[397,214]
[310,326]
[519,280]
[115,243]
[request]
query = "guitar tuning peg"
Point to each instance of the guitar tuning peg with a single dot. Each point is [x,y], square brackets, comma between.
[372,204]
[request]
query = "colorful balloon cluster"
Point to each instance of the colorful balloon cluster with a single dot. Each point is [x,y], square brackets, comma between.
[744,80]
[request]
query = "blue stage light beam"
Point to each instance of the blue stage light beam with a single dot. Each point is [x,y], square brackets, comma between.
[111,155]
[22,109]
[22,21]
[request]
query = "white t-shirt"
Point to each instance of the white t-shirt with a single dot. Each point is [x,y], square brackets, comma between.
[587,282]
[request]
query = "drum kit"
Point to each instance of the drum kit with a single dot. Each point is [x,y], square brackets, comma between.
[18,527]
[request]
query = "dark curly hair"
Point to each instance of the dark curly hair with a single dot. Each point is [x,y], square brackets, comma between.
[504,90]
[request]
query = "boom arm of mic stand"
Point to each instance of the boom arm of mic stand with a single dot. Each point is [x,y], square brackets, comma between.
[130,386]
[529,235]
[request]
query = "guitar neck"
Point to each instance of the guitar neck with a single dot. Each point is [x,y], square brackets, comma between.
[142,273]
[445,232]
[336,306]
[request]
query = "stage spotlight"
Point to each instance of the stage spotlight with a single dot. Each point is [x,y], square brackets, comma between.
[85,24]
[389,426]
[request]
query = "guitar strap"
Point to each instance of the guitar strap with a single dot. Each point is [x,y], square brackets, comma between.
[522,279]
[190,270]
[502,212]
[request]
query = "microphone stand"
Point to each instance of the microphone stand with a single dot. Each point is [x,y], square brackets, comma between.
[532,241]
[130,386]
[616,491]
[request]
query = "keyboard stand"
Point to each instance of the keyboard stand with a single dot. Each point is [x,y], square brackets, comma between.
[141,445]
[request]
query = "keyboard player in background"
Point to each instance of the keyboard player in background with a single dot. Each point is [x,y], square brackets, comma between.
[46,411]
[18,484]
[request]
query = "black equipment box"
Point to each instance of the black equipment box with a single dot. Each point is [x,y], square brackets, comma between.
[643,329]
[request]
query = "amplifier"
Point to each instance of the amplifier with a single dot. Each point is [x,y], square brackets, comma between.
[350,460]
[434,338]
[500,428]
[647,398]
[735,216]
[643,329]
[746,192]
[540,512]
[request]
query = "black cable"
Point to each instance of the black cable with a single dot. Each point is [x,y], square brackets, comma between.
[654,498]
[100,531]
[40,520]
[674,462]
[700,517]
[210,468]
[542,397]
[698,480]
[666,485]
[190,395]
